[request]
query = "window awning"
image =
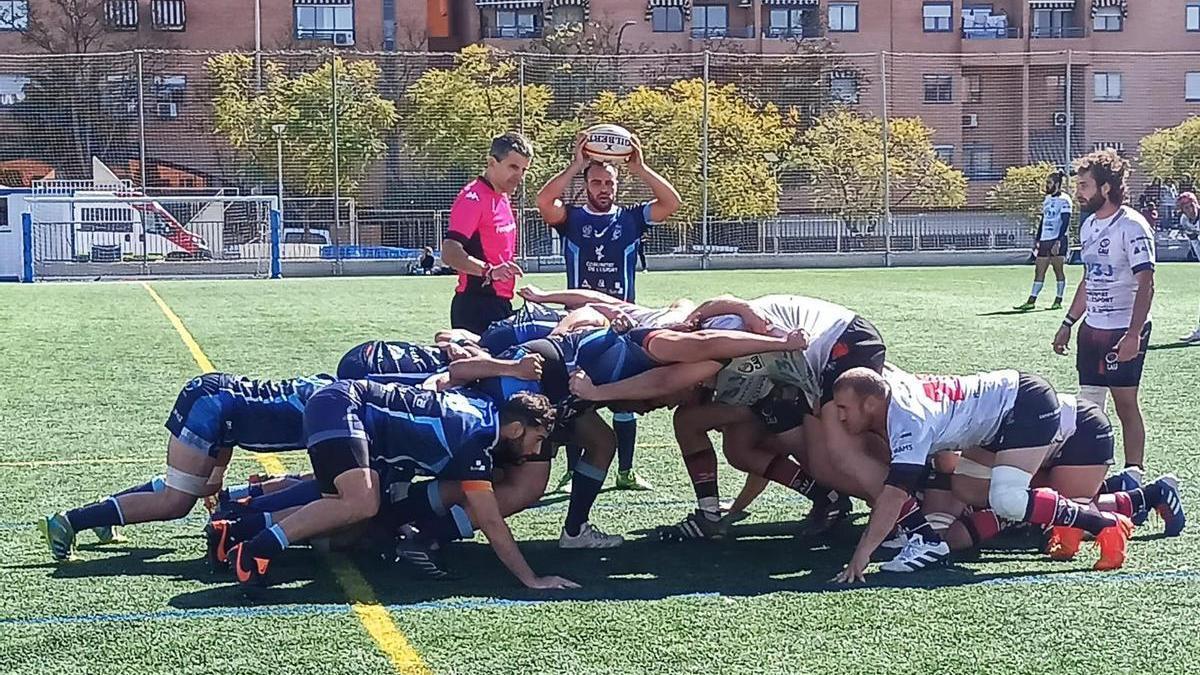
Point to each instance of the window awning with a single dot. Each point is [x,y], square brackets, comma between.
[1123,5]
[685,5]
[324,2]
[585,4]
[169,14]
[1052,4]
[792,3]
[843,74]
[508,4]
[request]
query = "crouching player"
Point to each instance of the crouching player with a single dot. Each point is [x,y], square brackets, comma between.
[1013,415]
[354,425]
[213,413]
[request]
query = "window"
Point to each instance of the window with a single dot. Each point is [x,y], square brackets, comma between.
[944,153]
[974,84]
[1108,86]
[977,161]
[12,89]
[120,95]
[666,19]
[843,88]
[321,22]
[937,16]
[168,95]
[567,15]
[790,22]
[121,14]
[525,22]
[168,14]
[1107,19]
[1192,87]
[14,15]
[1193,17]
[710,20]
[843,17]
[938,89]
[1055,23]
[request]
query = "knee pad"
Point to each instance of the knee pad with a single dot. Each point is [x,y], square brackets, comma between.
[187,483]
[1097,395]
[972,469]
[1009,492]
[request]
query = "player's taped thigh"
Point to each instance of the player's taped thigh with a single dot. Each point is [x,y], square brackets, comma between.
[972,469]
[1093,393]
[1009,492]
[188,483]
[217,477]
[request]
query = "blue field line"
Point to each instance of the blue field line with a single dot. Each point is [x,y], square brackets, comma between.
[461,604]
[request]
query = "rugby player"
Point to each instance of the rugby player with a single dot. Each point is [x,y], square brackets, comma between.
[1052,241]
[481,243]
[352,426]
[600,243]
[1113,298]
[212,414]
[1013,415]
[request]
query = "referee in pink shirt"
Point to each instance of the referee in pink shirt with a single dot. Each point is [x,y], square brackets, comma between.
[482,240]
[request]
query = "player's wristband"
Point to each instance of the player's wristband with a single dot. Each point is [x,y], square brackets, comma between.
[1069,321]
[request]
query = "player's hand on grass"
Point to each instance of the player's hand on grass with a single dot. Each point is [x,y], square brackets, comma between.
[1061,339]
[551,583]
[854,571]
[1128,346]
[530,367]
[581,386]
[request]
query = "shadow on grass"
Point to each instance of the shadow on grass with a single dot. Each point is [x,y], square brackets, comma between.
[763,559]
[1012,312]
[1172,345]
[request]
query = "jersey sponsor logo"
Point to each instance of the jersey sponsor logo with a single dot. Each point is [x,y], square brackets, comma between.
[1099,270]
[587,231]
[1104,244]
[901,449]
[600,233]
[193,383]
[616,232]
[472,195]
[750,365]
[940,389]
[600,252]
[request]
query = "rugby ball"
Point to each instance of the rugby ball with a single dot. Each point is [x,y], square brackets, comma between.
[608,143]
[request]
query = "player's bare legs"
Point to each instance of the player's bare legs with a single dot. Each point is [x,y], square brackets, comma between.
[1133,426]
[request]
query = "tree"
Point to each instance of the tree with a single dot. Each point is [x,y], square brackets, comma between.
[452,114]
[842,155]
[1172,154]
[741,138]
[304,103]
[1022,191]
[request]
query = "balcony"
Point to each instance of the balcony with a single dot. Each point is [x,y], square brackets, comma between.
[722,32]
[792,32]
[1043,32]
[511,32]
[1008,33]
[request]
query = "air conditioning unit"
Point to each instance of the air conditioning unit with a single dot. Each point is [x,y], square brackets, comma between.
[168,111]
[970,121]
[344,38]
[1060,119]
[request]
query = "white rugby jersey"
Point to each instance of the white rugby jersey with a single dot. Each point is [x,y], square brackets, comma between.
[748,379]
[929,413]
[1053,206]
[1114,249]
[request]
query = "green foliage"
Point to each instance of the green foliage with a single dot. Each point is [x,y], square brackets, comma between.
[1022,191]
[841,153]
[304,103]
[1172,153]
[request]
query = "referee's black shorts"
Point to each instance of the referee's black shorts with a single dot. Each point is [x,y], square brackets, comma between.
[476,311]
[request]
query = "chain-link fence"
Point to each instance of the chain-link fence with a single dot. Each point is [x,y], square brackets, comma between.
[773,154]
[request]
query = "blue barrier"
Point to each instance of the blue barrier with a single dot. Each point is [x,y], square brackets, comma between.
[347,251]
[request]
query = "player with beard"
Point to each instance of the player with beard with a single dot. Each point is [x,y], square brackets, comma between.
[1052,243]
[600,244]
[1113,298]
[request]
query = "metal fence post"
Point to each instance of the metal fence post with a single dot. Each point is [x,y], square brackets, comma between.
[521,238]
[704,168]
[887,179]
[276,232]
[27,248]
[337,173]
[141,99]
[1070,122]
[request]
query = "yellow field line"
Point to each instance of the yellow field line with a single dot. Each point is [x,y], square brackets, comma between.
[374,617]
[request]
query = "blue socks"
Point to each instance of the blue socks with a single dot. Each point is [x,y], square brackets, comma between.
[101,514]
[586,482]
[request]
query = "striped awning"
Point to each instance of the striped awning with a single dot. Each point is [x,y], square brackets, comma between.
[585,4]
[792,3]
[508,4]
[842,74]
[685,5]
[1052,4]
[323,2]
[121,14]
[1123,5]
[1108,145]
[168,14]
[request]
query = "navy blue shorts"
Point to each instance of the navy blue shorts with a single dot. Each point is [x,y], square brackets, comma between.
[333,426]
[1032,421]
[1052,248]
[1096,358]
[859,346]
[1092,442]
[201,416]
